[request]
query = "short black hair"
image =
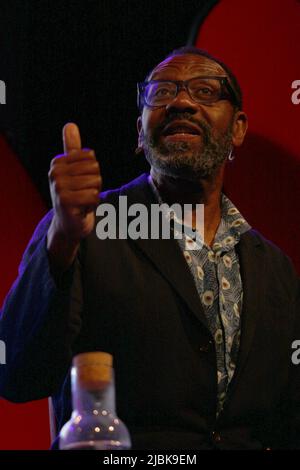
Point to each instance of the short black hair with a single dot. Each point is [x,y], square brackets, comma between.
[196,51]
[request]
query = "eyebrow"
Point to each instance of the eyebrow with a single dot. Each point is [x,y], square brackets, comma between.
[224,75]
[208,70]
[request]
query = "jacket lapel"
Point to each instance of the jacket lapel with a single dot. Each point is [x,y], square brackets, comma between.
[252,266]
[168,258]
[166,255]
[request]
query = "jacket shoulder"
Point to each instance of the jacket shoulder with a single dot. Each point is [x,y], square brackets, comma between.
[136,186]
[270,248]
[276,259]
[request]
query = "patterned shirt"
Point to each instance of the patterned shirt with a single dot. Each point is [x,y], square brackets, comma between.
[216,273]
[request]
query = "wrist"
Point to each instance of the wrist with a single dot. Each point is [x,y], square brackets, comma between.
[61,249]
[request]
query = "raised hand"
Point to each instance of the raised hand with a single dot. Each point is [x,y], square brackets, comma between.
[75,183]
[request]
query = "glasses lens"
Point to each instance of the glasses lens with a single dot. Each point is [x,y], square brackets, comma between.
[159,93]
[205,90]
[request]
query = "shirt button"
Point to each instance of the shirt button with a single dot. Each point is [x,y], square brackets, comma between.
[205,347]
[216,436]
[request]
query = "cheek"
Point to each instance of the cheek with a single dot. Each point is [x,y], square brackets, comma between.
[151,119]
[219,117]
[220,126]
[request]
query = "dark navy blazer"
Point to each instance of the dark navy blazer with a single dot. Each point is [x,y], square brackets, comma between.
[137,300]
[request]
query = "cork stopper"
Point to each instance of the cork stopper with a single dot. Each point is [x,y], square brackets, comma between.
[93,369]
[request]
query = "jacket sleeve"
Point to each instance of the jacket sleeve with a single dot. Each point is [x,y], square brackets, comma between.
[39,321]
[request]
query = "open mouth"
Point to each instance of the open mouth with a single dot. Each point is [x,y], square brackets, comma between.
[181,131]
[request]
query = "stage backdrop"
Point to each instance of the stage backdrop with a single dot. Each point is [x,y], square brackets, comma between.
[23,426]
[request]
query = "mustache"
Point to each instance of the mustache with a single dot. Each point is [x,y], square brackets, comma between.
[206,129]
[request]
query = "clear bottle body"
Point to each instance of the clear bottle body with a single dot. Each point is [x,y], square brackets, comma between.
[94,424]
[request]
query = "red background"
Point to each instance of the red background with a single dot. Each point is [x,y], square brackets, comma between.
[23,426]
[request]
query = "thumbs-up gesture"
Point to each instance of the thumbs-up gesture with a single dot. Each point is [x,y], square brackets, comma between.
[75,184]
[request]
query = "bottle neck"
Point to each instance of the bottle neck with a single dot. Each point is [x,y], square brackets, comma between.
[101,399]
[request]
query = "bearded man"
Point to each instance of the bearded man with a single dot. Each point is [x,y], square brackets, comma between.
[201,336]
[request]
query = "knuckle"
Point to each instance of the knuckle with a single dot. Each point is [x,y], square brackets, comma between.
[58,186]
[73,153]
[56,160]
[52,174]
[56,168]
[83,154]
[89,152]
[64,199]
[96,197]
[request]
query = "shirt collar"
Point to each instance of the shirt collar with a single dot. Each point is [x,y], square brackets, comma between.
[231,226]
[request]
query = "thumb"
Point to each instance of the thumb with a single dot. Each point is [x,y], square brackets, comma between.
[71,137]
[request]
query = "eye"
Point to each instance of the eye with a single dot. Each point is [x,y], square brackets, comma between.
[159,92]
[162,92]
[204,91]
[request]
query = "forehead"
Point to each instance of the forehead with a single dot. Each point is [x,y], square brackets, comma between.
[186,66]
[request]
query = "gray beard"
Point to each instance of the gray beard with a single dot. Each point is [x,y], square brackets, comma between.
[182,160]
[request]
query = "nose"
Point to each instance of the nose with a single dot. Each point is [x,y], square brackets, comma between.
[182,102]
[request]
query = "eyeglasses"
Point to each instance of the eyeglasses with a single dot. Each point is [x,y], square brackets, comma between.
[204,90]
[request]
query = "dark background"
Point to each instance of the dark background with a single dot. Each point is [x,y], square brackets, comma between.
[80,61]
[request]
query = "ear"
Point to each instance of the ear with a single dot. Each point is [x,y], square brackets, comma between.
[139,127]
[239,128]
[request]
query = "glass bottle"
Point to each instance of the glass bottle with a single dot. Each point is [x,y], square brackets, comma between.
[94,424]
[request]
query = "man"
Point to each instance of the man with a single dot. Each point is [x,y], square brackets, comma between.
[201,338]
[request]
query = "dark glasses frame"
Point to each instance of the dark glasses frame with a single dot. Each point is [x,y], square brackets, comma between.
[227,92]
